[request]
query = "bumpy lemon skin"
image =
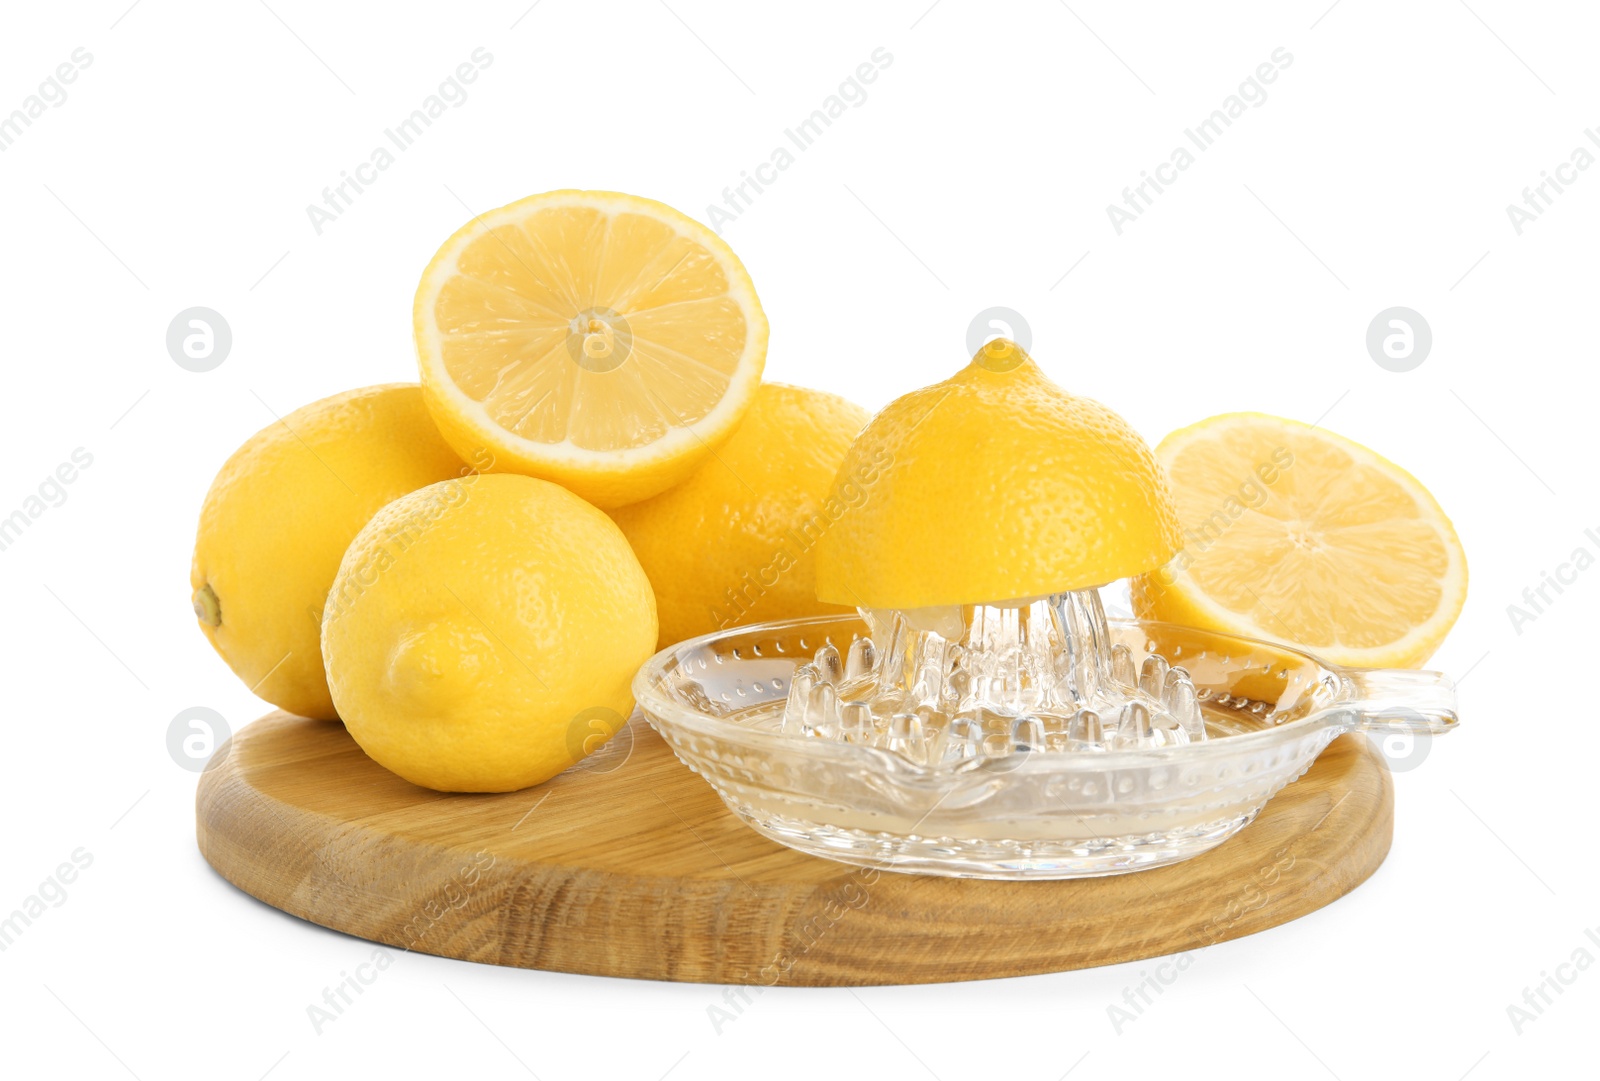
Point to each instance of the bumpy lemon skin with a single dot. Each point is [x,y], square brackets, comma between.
[477,625]
[1168,594]
[996,485]
[278,518]
[492,451]
[734,544]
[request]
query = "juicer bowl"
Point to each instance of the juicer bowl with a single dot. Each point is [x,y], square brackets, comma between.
[1032,812]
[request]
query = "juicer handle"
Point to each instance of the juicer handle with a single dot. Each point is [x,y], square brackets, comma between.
[1401,700]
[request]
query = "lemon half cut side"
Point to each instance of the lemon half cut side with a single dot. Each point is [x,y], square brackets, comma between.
[603,341]
[1298,535]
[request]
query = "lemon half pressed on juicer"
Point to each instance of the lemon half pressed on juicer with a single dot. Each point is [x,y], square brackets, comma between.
[981,716]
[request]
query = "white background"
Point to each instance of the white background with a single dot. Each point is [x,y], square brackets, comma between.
[976,173]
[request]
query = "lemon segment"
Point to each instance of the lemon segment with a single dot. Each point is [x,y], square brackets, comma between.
[1295,534]
[994,485]
[599,340]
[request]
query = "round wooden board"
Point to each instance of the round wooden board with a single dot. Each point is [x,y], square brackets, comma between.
[640,871]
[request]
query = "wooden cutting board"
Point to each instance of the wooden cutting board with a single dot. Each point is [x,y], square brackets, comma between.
[633,867]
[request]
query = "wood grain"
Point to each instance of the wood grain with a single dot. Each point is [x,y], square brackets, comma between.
[641,872]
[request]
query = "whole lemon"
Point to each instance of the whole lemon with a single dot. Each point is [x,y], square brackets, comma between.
[480,630]
[734,543]
[996,485]
[278,518]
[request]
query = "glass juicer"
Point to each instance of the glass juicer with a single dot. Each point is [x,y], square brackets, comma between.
[1031,738]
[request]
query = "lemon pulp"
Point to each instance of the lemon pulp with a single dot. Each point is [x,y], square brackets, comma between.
[600,340]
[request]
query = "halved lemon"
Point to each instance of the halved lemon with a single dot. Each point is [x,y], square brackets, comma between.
[602,341]
[992,485]
[1299,535]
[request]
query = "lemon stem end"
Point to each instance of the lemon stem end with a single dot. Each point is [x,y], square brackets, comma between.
[206,608]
